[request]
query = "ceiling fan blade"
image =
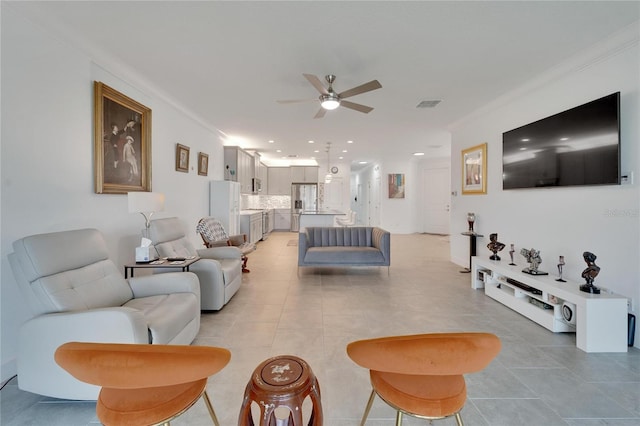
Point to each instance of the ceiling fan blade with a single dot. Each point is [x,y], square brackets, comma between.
[357,107]
[293,101]
[321,112]
[367,87]
[315,82]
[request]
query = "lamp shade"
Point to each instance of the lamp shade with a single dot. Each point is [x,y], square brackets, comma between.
[330,101]
[145,202]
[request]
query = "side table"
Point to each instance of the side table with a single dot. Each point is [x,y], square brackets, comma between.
[160,264]
[472,248]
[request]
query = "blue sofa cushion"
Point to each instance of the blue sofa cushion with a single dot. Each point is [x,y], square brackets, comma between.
[336,255]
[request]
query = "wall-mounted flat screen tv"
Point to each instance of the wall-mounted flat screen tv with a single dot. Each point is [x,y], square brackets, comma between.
[579,146]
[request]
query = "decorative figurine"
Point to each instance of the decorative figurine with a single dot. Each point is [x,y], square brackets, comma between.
[590,273]
[471,218]
[495,246]
[534,259]
[560,265]
[513,249]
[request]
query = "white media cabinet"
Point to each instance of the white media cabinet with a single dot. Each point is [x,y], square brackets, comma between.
[600,319]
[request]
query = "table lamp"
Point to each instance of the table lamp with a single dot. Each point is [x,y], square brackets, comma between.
[145,203]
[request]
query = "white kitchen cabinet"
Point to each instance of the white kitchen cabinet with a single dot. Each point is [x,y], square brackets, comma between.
[251,225]
[282,219]
[224,204]
[239,167]
[304,174]
[279,181]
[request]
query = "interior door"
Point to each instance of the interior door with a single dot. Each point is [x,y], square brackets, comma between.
[436,200]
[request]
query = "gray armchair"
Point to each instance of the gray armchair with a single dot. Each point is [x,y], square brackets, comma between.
[219,269]
[76,293]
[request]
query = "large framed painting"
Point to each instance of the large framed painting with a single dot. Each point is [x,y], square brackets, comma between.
[122,142]
[474,170]
[396,185]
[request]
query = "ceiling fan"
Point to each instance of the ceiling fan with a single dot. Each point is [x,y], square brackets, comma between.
[329,99]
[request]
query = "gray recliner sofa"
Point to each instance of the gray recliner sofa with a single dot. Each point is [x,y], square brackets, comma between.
[76,293]
[334,246]
[219,268]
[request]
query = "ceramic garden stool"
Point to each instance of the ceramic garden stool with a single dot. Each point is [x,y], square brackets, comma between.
[281,381]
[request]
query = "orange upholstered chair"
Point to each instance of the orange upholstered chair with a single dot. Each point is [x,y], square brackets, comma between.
[422,375]
[144,384]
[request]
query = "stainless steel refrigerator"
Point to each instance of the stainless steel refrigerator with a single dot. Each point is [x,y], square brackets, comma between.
[304,197]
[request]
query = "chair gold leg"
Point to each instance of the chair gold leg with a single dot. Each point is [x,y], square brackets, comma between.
[398,418]
[366,410]
[459,419]
[212,413]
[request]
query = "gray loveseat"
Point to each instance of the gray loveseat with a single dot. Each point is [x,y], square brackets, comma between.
[333,246]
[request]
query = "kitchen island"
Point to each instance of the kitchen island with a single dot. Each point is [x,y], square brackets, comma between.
[318,218]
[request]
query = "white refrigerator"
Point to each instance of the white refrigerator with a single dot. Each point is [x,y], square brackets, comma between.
[224,204]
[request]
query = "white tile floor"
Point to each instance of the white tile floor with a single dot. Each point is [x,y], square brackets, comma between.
[539,378]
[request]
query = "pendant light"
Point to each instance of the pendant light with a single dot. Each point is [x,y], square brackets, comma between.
[329,176]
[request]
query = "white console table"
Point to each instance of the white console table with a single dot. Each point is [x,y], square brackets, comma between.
[600,319]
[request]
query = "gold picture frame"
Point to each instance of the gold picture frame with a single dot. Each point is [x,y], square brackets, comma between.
[396,185]
[182,158]
[203,164]
[121,142]
[474,170]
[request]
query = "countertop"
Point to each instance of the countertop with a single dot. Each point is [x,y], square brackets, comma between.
[322,212]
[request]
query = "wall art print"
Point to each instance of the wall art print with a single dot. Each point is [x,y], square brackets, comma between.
[474,170]
[122,142]
[396,185]
[182,158]
[203,164]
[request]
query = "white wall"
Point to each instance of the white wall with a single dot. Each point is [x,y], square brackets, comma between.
[561,221]
[47,156]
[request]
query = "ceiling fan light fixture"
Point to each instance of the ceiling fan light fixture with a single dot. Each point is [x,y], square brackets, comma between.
[330,101]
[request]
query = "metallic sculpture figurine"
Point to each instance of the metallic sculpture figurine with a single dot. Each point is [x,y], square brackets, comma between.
[560,265]
[513,250]
[534,259]
[495,246]
[590,273]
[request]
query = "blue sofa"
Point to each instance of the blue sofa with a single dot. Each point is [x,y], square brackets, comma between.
[354,246]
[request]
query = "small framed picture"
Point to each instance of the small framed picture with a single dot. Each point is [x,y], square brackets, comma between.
[182,158]
[396,185]
[474,170]
[203,164]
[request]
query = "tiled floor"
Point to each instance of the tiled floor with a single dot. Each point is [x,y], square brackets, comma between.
[539,378]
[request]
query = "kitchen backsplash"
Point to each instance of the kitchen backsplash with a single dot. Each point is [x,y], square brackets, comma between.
[265,202]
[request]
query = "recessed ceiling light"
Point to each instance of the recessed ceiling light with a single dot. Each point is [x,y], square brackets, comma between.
[270,141]
[564,139]
[316,150]
[344,150]
[278,150]
[418,153]
[525,140]
[362,162]
[340,158]
[311,142]
[349,141]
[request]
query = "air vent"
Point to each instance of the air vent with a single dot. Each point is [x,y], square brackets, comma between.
[428,104]
[292,156]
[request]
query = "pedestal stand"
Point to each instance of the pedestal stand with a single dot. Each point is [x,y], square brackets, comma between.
[472,248]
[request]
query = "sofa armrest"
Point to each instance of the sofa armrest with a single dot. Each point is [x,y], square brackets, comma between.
[220,253]
[167,283]
[381,240]
[40,337]
[238,240]
[303,245]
